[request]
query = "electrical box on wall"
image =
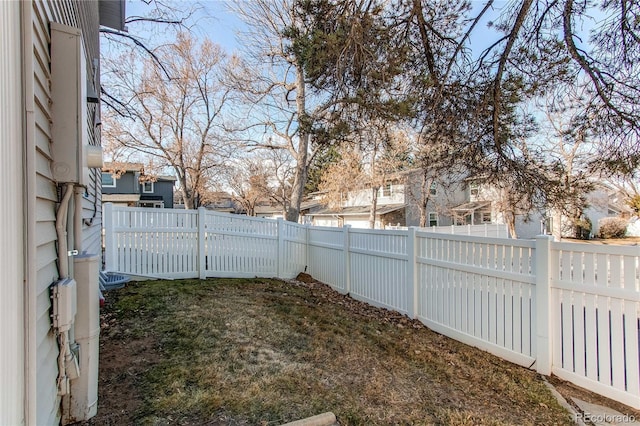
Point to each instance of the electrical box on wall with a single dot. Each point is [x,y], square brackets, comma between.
[70,149]
[63,295]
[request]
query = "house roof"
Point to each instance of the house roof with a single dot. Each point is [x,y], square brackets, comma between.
[471,207]
[134,167]
[268,209]
[126,167]
[357,210]
[120,198]
[308,204]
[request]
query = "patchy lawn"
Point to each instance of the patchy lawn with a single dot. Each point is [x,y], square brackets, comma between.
[257,351]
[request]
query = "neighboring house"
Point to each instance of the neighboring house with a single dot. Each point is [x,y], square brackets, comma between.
[126,184]
[356,208]
[602,202]
[471,202]
[222,202]
[453,200]
[269,211]
[275,212]
[49,120]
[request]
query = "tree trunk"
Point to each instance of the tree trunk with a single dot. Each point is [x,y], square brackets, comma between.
[300,179]
[374,208]
[188,201]
[302,155]
[423,212]
[510,218]
[425,187]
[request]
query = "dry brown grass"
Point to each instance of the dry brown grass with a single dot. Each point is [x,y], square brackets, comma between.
[267,352]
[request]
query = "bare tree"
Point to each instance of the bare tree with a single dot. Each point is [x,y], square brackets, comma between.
[176,121]
[245,178]
[342,177]
[280,110]
[262,176]
[374,157]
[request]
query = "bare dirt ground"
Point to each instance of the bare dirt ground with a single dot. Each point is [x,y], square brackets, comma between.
[265,352]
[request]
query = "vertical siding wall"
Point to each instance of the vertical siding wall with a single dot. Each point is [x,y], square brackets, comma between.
[571,309]
[11,216]
[43,198]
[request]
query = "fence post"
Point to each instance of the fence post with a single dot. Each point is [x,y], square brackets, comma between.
[280,254]
[110,248]
[307,255]
[544,354]
[347,259]
[412,275]
[202,253]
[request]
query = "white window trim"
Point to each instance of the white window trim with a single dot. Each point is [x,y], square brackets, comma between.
[144,191]
[474,189]
[151,204]
[108,186]
[437,218]
[388,187]
[433,189]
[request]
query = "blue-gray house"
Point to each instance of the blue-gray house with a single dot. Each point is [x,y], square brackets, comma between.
[127,184]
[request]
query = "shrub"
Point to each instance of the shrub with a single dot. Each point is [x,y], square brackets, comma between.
[583,228]
[612,227]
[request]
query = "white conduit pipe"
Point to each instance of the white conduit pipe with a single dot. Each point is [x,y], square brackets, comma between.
[61,232]
[63,272]
[77,218]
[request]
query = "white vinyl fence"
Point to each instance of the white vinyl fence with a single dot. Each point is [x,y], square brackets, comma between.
[568,309]
[171,243]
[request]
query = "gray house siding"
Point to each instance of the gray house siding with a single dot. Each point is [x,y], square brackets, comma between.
[162,189]
[41,194]
[12,378]
[127,183]
[449,193]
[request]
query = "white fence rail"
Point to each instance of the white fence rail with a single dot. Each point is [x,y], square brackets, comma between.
[569,309]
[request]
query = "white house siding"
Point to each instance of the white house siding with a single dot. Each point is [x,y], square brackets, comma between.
[11,175]
[42,191]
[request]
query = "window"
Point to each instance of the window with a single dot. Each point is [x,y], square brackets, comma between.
[386,190]
[147,187]
[108,181]
[433,190]
[486,217]
[474,189]
[151,204]
[433,219]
